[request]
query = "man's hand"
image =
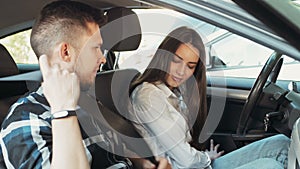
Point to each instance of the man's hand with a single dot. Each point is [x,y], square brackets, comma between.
[60,87]
[213,152]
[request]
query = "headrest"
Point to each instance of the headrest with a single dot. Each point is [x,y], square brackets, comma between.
[8,67]
[122,32]
[7,64]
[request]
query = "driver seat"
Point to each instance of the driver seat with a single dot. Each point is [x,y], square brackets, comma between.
[121,33]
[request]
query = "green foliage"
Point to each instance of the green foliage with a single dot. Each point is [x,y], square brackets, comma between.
[19,47]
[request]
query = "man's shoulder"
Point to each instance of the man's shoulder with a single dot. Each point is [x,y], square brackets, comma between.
[30,107]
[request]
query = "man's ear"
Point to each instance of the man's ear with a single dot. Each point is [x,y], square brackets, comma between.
[65,53]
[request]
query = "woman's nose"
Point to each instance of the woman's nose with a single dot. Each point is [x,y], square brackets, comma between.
[181,69]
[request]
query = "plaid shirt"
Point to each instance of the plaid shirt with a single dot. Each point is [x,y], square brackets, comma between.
[26,138]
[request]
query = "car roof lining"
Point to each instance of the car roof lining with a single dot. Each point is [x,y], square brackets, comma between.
[15,18]
[285,23]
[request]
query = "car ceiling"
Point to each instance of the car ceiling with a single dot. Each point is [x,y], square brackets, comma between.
[281,16]
[16,15]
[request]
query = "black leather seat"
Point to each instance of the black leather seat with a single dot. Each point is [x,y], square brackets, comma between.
[112,89]
[10,91]
[7,65]
[121,33]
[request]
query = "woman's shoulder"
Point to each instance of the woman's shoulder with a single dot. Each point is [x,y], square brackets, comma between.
[146,90]
[148,96]
[145,87]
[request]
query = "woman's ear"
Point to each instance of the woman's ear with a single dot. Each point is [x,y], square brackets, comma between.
[65,53]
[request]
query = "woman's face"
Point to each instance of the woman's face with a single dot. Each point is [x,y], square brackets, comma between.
[182,65]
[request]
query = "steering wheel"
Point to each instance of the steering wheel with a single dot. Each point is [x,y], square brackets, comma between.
[270,70]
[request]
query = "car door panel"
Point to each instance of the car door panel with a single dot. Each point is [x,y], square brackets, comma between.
[234,94]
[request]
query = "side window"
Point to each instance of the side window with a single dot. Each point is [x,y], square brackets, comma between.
[19,47]
[237,52]
[230,55]
[153,32]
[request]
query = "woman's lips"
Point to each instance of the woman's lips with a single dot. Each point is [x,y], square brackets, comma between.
[176,79]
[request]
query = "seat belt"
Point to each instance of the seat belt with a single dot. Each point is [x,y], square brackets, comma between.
[294,151]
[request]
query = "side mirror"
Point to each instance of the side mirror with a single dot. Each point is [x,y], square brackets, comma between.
[216,62]
[293,87]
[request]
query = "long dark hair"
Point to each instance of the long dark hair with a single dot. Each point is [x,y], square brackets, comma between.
[195,96]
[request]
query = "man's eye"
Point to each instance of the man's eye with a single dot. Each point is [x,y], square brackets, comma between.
[102,49]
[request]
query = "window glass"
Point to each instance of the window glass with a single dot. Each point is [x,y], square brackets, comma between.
[287,71]
[236,51]
[155,25]
[235,56]
[228,55]
[19,47]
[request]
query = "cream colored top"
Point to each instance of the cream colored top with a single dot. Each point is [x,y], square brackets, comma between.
[156,115]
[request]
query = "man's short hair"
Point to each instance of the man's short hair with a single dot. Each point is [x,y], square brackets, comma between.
[62,21]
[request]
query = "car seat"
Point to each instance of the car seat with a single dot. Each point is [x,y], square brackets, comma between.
[10,91]
[121,33]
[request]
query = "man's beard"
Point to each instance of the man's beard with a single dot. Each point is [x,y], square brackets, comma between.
[85,86]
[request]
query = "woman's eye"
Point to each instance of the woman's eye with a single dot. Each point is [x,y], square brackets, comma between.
[191,66]
[176,60]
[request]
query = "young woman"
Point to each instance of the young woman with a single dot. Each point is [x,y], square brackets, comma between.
[169,110]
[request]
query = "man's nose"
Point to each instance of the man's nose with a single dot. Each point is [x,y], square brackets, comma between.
[102,59]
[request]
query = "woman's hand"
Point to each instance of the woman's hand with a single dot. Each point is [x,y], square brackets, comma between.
[141,163]
[163,163]
[213,152]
